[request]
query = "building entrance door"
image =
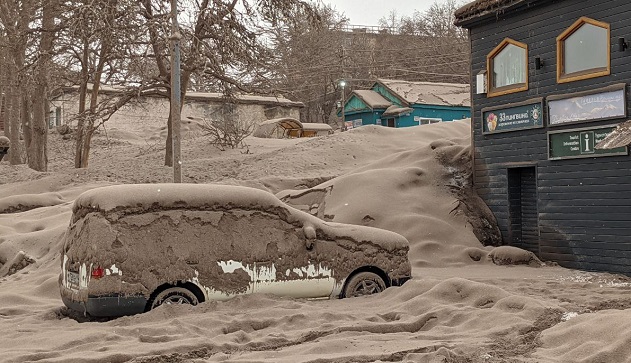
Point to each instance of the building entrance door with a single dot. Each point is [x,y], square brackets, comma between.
[522,203]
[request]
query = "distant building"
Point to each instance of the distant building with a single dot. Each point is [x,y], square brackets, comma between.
[551,84]
[396,103]
[154,107]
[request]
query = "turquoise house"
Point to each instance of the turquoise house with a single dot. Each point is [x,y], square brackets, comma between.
[395,103]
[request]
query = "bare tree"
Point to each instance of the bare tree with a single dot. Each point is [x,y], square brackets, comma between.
[226,128]
[101,38]
[36,150]
[310,62]
[223,45]
[15,18]
[420,47]
[391,21]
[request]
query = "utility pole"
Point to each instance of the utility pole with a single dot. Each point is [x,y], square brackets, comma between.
[343,85]
[176,94]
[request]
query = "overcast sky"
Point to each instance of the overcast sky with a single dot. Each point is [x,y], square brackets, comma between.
[368,12]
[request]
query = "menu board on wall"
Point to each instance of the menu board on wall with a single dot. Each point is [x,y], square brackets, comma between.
[603,105]
[513,117]
[581,143]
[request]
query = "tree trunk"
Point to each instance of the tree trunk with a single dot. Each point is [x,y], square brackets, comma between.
[16,104]
[25,116]
[37,150]
[83,91]
[87,140]
[168,155]
[13,118]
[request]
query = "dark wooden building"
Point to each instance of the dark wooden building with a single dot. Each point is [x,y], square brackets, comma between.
[550,81]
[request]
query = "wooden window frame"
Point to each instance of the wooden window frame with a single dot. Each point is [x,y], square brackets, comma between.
[500,91]
[588,73]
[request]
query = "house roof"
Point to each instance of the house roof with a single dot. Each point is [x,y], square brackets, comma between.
[197,96]
[429,93]
[482,8]
[620,137]
[372,99]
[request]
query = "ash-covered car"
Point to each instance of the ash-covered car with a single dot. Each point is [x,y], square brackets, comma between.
[131,248]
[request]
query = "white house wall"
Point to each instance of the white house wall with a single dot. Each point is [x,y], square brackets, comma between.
[153,112]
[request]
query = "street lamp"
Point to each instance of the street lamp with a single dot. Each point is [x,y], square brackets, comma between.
[343,85]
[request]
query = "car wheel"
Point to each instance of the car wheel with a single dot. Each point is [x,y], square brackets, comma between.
[364,283]
[173,296]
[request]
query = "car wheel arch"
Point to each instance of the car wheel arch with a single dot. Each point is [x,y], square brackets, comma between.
[376,270]
[190,286]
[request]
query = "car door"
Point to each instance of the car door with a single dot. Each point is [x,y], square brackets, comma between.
[290,266]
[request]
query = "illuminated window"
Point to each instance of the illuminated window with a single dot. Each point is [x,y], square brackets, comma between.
[507,68]
[583,51]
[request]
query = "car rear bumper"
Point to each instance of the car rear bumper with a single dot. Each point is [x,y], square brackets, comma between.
[107,306]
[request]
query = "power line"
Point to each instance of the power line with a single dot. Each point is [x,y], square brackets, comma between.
[430,73]
[301,69]
[383,63]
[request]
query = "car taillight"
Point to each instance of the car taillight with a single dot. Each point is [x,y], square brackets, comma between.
[97,272]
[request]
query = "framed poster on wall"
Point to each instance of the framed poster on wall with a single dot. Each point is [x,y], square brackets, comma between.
[601,104]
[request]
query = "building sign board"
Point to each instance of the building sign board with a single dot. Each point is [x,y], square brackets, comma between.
[513,117]
[581,143]
[605,105]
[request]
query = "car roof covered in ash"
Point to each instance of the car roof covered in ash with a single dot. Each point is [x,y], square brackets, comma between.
[173,195]
[143,198]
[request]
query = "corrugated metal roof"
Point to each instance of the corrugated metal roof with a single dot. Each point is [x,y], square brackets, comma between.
[373,99]
[429,93]
[620,137]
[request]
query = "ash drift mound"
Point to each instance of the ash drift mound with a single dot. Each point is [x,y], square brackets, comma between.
[423,193]
[428,319]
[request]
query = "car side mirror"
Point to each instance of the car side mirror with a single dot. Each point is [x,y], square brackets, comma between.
[310,236]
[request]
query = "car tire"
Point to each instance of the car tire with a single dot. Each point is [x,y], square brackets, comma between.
[173,296]
[364,283]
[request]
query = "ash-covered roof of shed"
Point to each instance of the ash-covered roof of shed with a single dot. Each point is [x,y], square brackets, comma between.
[429,93]
[316,126]
[480,8]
